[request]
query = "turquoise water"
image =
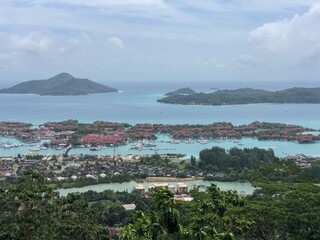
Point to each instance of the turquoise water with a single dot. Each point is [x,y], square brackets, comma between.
[140,106]
[129,186]
[281,148]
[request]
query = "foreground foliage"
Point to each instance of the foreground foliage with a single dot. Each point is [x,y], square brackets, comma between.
[31,210]
[204,218]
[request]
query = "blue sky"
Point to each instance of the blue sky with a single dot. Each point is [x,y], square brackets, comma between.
[159,40]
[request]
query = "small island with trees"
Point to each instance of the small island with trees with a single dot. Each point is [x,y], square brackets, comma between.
[246,96]
[59,85]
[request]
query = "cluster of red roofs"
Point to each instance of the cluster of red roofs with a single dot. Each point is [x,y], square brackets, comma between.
[108,133]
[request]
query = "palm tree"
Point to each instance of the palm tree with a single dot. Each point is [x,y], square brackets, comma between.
[168,214]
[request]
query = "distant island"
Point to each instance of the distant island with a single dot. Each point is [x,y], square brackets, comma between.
[59,85]
[247,96]
[181,91]
[214,88]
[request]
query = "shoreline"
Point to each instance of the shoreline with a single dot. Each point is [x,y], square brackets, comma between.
[172,179]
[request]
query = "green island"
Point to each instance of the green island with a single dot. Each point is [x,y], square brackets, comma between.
[246,96]
[59,85]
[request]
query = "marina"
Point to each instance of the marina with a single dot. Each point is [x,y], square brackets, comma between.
[165,145]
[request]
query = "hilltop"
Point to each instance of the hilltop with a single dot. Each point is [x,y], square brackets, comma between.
[59,85]
[247,96]
[181,91]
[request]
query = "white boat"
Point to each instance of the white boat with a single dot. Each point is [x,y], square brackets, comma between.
[137,146]
[173,141]
[150,145]
[189,141]
[203,141]
[146,143]
[95,149]
[36,148]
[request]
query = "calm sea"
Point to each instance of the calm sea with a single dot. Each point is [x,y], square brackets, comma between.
[136,103]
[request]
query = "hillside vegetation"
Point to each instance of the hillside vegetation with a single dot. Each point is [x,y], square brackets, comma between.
[181,91]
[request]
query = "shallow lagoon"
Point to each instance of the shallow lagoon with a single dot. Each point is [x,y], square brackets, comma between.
[129,186]
[141,107]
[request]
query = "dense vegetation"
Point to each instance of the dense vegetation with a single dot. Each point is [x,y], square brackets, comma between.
[219,159]
[247,96]
[207,217]
[274,211]
[181,91]
[31,210]
[277,210]
[61,84]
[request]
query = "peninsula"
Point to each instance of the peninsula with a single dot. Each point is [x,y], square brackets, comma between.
[59,85]
[247,96]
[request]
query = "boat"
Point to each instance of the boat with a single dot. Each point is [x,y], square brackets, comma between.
[173,141]
[146,143]
[38,147]
[150,145]
[95,149]
[202,141]
[189,141]
[34,149]
[137,145]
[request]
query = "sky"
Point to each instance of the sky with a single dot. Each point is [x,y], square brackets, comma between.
[160,40]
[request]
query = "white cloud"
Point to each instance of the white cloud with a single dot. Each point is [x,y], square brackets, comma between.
[33,42]
[115,42]
[179,35]
[300,33]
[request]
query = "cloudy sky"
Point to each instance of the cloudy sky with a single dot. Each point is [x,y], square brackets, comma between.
[160,40]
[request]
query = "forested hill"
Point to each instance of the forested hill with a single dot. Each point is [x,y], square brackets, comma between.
[61,84]
[247,96]
[181,91]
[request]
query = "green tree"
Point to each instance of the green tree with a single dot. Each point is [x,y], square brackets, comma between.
[32,210]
